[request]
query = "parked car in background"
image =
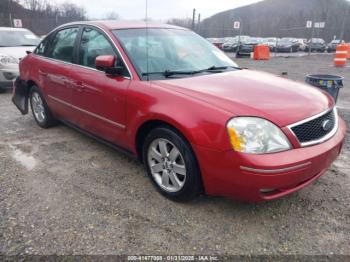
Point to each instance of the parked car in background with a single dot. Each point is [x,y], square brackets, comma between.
[197,121]
[288,45]
[218,42]
[247,47]
[332,46]
[316,45]
[243,38]
[302,43]
[230,46]
[271,42]
[14,43]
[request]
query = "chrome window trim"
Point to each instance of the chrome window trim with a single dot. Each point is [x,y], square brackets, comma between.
[275,171]
[326,137]
[72,64]
[94,69]
[87,112]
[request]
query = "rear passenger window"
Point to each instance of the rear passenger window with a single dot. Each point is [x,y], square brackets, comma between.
[62,45]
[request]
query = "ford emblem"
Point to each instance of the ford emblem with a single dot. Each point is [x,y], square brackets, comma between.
[327,125]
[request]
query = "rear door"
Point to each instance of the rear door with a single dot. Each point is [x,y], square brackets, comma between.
[99,100]
[54,71]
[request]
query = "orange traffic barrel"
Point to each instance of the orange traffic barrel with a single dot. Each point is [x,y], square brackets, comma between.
[261,52]
[348,51]
[341,55]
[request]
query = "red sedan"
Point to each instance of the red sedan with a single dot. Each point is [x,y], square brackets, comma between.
[198,122]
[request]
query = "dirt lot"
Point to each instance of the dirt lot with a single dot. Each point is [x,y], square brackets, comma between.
[63,193]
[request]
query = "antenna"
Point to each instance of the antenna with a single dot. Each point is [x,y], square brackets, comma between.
[147,55]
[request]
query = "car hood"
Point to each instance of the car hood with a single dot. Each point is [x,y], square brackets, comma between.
[17,52]
[252,93]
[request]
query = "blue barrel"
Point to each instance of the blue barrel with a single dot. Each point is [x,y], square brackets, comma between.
[329,83]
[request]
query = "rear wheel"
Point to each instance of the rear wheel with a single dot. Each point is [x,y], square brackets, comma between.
[171,165]
[41,112]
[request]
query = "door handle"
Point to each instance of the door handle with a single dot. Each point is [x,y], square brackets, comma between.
[80,86]
[42,73]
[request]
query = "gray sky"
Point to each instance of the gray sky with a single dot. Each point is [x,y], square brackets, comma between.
[158,9]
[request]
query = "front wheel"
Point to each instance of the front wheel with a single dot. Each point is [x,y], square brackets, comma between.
[41,112]
[171,165]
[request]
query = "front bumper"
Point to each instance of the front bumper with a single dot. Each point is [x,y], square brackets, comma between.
[256,178]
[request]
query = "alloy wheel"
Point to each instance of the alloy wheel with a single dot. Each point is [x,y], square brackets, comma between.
[167,165]
[38,107]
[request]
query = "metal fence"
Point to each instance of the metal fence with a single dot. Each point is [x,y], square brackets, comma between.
[39,25]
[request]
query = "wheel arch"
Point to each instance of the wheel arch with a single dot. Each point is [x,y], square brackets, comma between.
[147,126]
[30,83]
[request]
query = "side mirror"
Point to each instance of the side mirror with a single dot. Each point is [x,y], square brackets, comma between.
[107,64]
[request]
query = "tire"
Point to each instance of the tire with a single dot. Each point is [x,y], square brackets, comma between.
[41,112]
[171,165]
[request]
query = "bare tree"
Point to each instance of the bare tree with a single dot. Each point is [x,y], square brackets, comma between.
[112,16]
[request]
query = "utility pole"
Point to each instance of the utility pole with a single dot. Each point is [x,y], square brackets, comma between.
[193,18]
[347,13]
[9,10]
[312,32]
[198,23]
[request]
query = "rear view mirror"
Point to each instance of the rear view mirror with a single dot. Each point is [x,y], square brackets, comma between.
[107,64]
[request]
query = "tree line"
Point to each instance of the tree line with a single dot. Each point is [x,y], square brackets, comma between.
[279,18]
[41,16]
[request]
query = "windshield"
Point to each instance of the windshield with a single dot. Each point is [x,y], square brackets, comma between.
[170,50]
[287,40]
[317,41]
[11,38]
[271,40]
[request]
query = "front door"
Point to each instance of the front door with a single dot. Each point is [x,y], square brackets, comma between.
[99,100]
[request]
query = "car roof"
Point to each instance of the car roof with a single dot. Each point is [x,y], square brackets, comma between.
[12,29]
[111,25]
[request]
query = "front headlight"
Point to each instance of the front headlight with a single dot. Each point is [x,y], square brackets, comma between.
[6,59]
[256,136]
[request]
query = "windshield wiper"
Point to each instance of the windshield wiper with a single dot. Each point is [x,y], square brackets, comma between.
[168,73]
[220,68]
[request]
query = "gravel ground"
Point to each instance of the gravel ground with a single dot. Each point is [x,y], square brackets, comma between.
[64,193]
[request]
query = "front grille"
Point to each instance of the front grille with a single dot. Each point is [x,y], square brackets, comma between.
[315,129]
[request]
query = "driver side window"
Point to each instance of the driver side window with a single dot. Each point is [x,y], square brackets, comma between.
[93,44]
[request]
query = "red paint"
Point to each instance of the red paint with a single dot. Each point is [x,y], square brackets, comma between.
[114,108]
[105,61]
